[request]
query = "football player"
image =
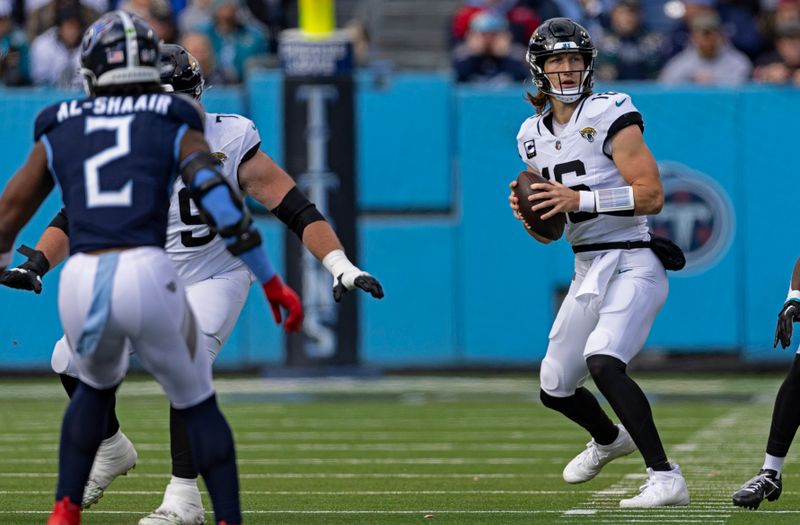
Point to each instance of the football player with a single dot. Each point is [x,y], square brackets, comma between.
[217,284]
[115,156]
[768,484]
[602,175]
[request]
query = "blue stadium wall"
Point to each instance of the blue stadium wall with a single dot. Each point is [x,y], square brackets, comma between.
[464,284]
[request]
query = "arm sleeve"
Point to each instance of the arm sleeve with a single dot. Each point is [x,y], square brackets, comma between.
[60,221]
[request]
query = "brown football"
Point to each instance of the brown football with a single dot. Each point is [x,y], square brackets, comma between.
[552,228]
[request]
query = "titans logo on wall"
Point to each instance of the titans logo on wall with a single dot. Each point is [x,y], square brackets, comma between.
[698,216]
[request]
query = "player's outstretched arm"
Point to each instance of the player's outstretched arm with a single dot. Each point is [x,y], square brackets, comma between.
[638,167]
[222,209]
[23,195]
[790,313]
[51,249]
[265,181]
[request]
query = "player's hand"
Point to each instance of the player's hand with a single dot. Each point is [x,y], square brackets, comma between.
[356,279]
[513,201]
[21,279]
[786,318]
[554,194]
[28,275]
[280,296]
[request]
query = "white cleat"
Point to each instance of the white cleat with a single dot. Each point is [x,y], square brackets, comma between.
[115,457]
[181,506]
[663,489]
[591,461]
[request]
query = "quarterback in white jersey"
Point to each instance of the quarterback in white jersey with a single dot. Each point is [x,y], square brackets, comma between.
[217,283]
[602,175]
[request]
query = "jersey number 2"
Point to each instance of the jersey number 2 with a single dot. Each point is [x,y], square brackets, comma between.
[95,197]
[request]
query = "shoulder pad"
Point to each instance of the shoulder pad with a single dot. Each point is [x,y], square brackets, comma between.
[46,120]
[529,123]
[187,111]
[598,103]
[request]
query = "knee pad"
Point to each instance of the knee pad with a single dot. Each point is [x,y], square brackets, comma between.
[605,368]
[554,381]
[62,361]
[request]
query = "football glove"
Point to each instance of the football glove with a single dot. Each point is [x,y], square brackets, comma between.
[28,275]
[346,276]
[356,279]
[786,318]
[279,295]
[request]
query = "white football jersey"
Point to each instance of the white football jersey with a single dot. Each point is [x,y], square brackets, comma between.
[197,253]
[581,158]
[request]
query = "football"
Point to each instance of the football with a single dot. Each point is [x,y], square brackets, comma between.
[553,227]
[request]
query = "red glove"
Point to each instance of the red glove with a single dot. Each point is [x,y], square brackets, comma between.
[278,294]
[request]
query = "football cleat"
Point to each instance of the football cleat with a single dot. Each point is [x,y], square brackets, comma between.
[765,485]
[588,463]
[662,489]
[181,506]
[65,513]
[115,457]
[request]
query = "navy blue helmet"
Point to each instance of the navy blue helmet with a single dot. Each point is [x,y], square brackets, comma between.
[119,49]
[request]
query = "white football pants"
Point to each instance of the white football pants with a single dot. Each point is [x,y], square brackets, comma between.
[216,304]
[626,292]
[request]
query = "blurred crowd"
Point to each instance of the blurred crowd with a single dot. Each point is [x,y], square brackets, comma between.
[40,39]
[719,42]
[710,42]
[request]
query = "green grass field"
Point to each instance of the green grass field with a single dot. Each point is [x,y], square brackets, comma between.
[392,451]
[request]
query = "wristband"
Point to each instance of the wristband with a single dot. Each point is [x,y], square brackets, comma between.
[587,203]
[337,263]
[614,199]
[794,295]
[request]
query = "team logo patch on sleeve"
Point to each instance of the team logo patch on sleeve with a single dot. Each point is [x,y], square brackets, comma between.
[220,156]
[530,149]
[588,133]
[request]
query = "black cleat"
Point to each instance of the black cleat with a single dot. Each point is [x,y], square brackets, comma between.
[766,485]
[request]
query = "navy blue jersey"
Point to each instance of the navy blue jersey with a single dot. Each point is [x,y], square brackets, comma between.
[115,159]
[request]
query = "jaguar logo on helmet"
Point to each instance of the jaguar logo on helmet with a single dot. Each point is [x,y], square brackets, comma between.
[697,215]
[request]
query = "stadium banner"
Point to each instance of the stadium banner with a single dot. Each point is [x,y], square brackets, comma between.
[319,152]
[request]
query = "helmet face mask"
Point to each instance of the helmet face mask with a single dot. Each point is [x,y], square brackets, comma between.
[119,49]
[561,36]
[180,71]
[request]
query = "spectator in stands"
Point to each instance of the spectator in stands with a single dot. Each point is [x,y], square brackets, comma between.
[488,53]
[199,45]
[627,51]
[787,11]
[233,41]
[44,17]
[781,66]
[159,16]
[678,39]
[522,21]
[197,14]
[710,59]
[13,50]
[588,13]
[55,53]
[740,20]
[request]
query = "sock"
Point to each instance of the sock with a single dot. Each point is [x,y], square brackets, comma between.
[583,408]
[112,426]
[182,463]
[773,463]
[785,415]
[81,433]
[631,406]
[214,456]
